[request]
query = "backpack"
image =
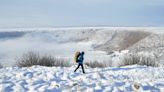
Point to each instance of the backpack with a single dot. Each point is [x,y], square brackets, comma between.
[77,54]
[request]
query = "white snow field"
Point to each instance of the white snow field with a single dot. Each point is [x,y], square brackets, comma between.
[56,79]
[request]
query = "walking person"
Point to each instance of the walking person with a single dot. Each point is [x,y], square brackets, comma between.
[80,60]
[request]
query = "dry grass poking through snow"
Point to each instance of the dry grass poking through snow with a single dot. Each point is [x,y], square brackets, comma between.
[140,60]
[96,64]
[32,58]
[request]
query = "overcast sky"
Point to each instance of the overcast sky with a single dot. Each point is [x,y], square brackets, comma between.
[49,13]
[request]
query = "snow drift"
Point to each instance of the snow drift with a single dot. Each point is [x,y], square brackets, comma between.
[57,79]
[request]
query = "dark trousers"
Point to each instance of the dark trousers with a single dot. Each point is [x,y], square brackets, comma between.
[81,67]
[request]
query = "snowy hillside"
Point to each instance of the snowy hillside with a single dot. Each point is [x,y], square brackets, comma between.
[97,42]
[56,79]
[108,45]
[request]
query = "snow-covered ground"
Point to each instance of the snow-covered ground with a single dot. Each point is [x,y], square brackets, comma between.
[56,79]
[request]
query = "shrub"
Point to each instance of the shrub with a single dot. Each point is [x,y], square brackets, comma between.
[31,58]
[1,65]
[96,64]
[138,59]
[28,59]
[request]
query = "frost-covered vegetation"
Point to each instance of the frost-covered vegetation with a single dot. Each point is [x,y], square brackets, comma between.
[125,59]
[133,59]
[99,64]
[33,58]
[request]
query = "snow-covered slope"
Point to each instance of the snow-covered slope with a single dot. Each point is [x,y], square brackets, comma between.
[121,40]
[96,42]
[64,42]
[56,79]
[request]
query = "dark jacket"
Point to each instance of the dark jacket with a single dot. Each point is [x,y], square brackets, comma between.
[81,59]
